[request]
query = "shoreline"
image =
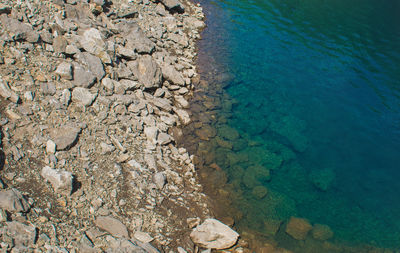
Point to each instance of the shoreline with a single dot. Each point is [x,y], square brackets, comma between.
[93,94]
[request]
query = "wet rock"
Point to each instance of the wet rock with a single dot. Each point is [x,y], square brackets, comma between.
[83,96]
[213,234]
[13,201]
[65,137]
[171,74]
[112,226]
[147,71]
[173,6]
[321,232]
[22,235]
[61,180]
[298,228]
[64,70]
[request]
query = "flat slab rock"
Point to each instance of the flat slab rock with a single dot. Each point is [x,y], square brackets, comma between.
[13,201]
[112,226]
[213,234]
[65,137]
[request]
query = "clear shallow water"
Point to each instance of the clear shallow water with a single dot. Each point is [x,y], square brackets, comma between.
[309,113]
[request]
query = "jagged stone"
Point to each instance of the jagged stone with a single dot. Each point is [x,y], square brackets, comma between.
[147,71]
[83,96]
[213,234]
[61,180]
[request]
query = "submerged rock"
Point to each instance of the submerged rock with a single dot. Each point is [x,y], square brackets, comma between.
[321,232]
[298,228]
[322,179]
[213,234]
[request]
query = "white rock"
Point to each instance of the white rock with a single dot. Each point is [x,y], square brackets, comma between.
[213,234]
[50,147]
[159,179]
[62,181]
[143,236]
[151,133]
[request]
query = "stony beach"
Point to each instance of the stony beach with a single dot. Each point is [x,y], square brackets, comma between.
[93,97]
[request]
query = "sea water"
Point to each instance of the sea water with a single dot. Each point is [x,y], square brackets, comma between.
[299,115]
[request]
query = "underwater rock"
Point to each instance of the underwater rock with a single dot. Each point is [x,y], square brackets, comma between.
[321,232]
[322,179]
[254,175]
[260,191]
[298,228]
[271,226]
[228,133]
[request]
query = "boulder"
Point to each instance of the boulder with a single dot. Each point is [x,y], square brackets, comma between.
[83,96]
[147,71]
[92,42]
[159,179]
[298,228]
[61,180]
[21,31]
[64,70]
[321,232]
[92,63]
[260,192]
[83,77]
[13,201]
[23,235]
[135,38]
[112,226]
[213,234]
[171,74]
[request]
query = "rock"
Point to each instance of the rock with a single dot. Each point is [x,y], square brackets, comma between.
[163,138]
[298,228]
[106,148]
[213,234]
[65,137]
[136,39]
[60,44]
[83,96]
[92,63]
[21,31]
[322,179]
[171,74]
[143,236]
[4,9]
[117,245]
[7,93]
[83,77]
[159,179]
[228,133]
[50,147]
[92,42]
[112,226]
[183,116]
[126,13]
[64,70]
[272,226]
[61,180]
[173,6]
[147,71]
[151,133]
[321,232]
[260,192]
[22,235]
[13,201]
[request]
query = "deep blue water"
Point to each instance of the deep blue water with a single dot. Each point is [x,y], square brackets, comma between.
[314,95]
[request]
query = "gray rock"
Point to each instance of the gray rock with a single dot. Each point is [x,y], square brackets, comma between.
[46,37]
[13,201]
[213,234]
[143,236]
[159,179]
[7,93]
[112,226]
[183,116]
[64,70]
[22,235]
[65,137]
[92,42]
[83,96]
[163,138]
[171,74]
[173,6]
[48,89]
[83,77]
[20,30]
[151,133]
[147,71]
[60,44]
[93,63]
[61,180]
[136,39]
[120,245]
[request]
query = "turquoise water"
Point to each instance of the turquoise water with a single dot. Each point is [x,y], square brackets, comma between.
[308,119]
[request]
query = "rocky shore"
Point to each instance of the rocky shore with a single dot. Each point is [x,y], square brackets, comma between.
[93,96]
